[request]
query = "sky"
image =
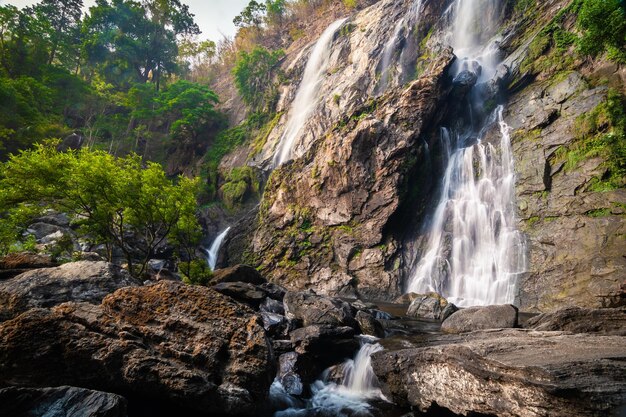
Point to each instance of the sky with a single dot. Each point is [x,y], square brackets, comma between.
[215,17]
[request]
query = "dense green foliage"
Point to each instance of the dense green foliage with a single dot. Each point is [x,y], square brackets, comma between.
[604,28]
[113,201]
[110,76]
[254,77]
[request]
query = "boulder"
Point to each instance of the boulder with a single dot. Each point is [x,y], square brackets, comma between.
[237,273]
[40,230]
[313,309]
[509,372]
[274,291]
[243,292]
[320,346]
[582,320]
[429,306]
[15,264]
[369,325]
[46,287]
[60,402]
[481,318]
[169,347]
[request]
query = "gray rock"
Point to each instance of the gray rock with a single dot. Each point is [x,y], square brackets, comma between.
[428,306]
[611,321]
[288,374]
[60,402]
[314,309]
[511,372]
[237,273]
[41,230]
[83,281]
[274,324]
[481,318]
[369,325]
[243,292]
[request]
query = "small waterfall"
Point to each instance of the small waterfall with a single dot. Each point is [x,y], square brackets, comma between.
[215,248]
[406,24]
[474,253]
[307,95]
[359,384]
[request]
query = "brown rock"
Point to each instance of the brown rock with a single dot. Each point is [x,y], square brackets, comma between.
[186,349]
[481,318]
[610,321]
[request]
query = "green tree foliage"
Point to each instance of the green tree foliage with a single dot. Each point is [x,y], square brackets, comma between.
[63,19]
[251,16]
[604,28]
[254,76]
[115,201]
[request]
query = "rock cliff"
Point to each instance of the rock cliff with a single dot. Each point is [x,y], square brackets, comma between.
[347,214]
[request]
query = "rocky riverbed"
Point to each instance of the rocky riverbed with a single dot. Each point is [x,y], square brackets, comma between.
[105,345]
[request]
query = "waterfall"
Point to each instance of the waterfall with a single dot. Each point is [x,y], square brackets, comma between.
[474,253]
[412,19]
[359,384]
[307,95]
[215,248]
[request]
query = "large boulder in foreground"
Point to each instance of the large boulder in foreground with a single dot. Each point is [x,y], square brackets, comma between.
[510,372]
[481,318]
[582,320]
[169,348]
[60,402]
[46,287]
[237,273]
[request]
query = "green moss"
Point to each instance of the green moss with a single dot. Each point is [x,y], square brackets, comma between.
[261,138]
[347,29]
[601,133]
[239,183]
[532,221]
[603,212]
[336,99]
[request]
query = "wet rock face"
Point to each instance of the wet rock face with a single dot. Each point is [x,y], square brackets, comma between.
[573,231]
[510,373]
[83,281]
[166,346]
[60,402]
[322,219]
[481,318]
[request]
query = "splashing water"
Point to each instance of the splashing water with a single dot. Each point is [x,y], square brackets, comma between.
[307,95]
[215,248]
[359,384]
[474,253]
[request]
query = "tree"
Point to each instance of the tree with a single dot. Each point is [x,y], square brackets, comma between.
[252,15]
[254,73]
[604,28]
[64,20]
[275,11]
[114,201]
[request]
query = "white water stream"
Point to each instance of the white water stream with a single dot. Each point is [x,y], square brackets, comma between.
[474,253]
[359,384]
[214,250]
[307,95]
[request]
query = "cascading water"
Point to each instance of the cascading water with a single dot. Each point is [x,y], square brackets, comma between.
[359,384]
[406,24]
[215,248]
[474,254]
[307,95]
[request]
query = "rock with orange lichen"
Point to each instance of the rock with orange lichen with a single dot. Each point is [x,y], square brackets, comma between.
[168,348]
